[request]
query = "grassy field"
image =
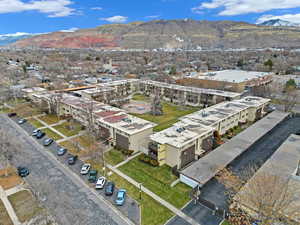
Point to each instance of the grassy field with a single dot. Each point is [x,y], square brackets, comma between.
[114,157]
[171,113]
[158,180]
[4,217]
[4,110]
[71,147]
[64,128]
[226,223]
[152,212]
[49,119]
[52,134]
[84,141]
[24,205]
[140,97]
[35,123]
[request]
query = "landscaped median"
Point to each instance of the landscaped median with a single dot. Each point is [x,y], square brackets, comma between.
[158,180]
[114,157]
[35,123]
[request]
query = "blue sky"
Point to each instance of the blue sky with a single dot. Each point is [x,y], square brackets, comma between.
[38,16]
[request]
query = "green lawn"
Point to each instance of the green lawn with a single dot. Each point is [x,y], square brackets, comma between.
[85,141]
[226,223]
[70,146]
[35,123]
[158,180]
[171,113]
[4,110]
[114,157]
[140,97]
[64,128]
[52,134]
[4,217]
[24,205]
[152,212]
[49,119]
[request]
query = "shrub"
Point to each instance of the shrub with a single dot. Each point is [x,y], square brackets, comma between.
[154,162]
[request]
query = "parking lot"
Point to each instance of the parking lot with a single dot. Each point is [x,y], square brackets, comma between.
[72,202]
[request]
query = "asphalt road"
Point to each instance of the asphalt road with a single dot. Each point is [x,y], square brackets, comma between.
[63,192]
[256,155]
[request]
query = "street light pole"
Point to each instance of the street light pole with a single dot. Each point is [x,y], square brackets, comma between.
[140,185]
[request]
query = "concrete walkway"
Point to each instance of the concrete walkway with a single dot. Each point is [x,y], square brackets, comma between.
[69,138]
[50,126]
[9,208]
[154,196]
[14,190]
[127,160]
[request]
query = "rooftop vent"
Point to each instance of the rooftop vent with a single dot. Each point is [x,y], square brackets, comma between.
[180,129]
[204,113]
[127,120]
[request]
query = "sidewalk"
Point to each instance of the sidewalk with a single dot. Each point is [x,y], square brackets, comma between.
[127,160]
[9,208]
[154,196]
[50,126]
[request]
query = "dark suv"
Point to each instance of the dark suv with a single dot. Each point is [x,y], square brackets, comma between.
[23,171]
[109,188]
[93,176]
[72,159]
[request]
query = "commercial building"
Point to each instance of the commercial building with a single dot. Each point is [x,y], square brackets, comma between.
[283,170]
[193,135]
[230,80]
[186,95]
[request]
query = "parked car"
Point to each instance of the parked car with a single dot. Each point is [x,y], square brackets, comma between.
[48,142]
[11,114]
[93,176]
[21,121]
[121,196]
[35,132]
[61,151]
[109,188]
[23,171]
[40,135]
[72,159]
[100,182]
[85,169]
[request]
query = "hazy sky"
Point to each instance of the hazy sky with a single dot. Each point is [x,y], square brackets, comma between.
[38,16]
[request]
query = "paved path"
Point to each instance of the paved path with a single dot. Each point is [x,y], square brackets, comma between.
[70,199]
[69,138]
[14,190]
[127,160]
[9,208]
[51,127]
[154,196]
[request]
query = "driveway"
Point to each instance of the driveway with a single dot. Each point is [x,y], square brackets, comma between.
[62,191]
[257,154]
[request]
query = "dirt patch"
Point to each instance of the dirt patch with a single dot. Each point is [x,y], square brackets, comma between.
[11,180]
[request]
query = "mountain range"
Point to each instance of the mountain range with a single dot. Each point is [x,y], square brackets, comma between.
[279,23]
[171,34]
[6,39]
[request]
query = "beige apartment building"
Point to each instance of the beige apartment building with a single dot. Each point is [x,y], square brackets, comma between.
[193,135]
[191,96]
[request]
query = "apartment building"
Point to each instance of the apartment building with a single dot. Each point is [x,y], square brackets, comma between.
[191,96]
[191,137]
[113,124]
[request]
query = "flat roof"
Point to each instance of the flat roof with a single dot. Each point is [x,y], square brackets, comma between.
[234,76]
[216,113]
[192,89]
[181,133]
[207,167]
[282,163]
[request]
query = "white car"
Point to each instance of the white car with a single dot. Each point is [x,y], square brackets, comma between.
[100,182]
[85,168]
